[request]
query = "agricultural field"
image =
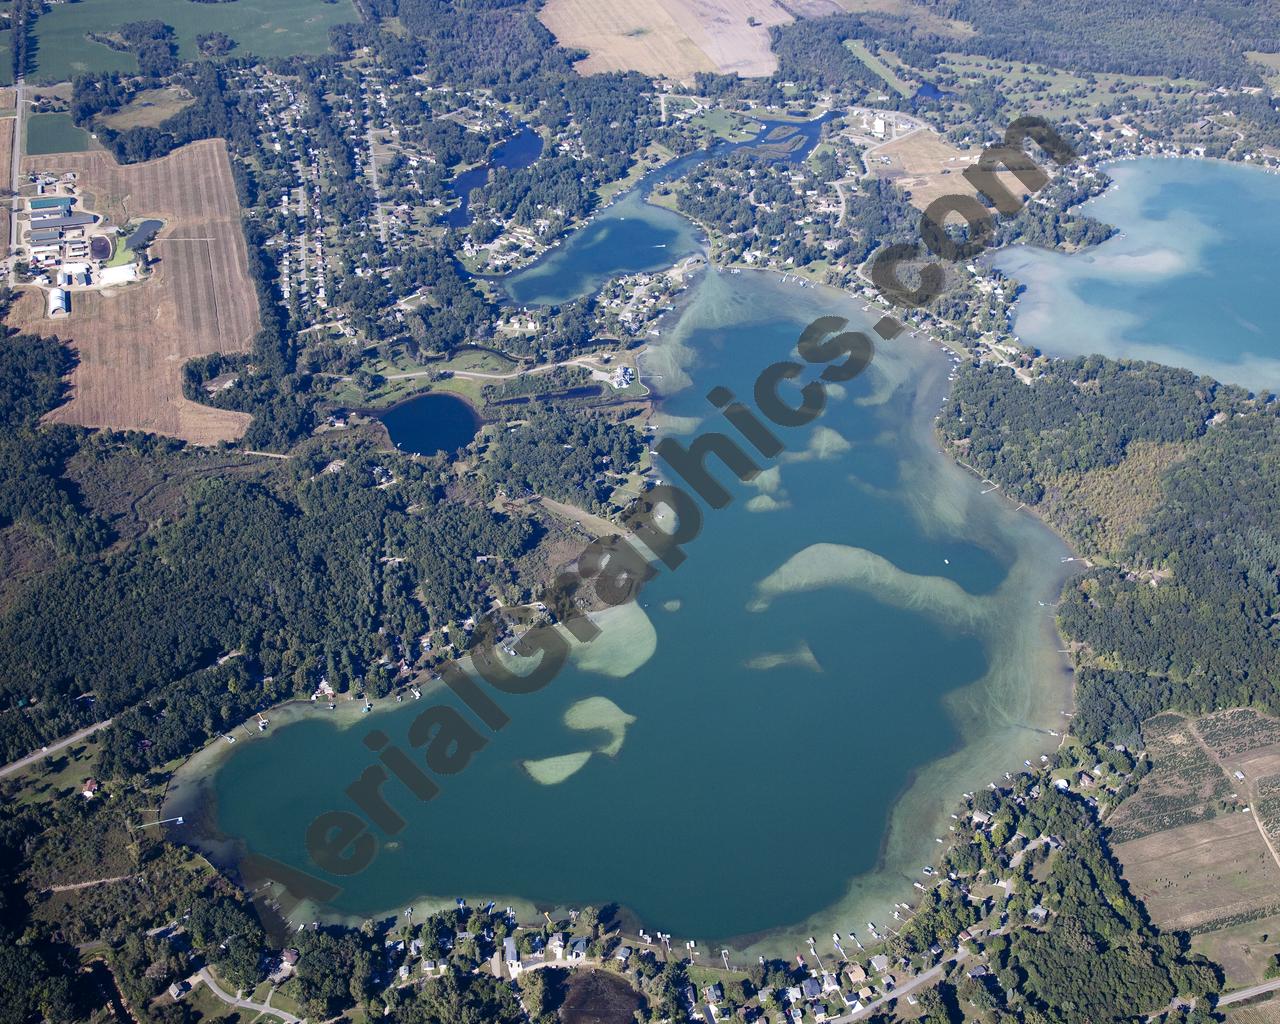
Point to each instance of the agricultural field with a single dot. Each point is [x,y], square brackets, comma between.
[132,342]
[1267,1012]
[1183,786]
[1244,951]
[54,133]
[1190,844]
[1194,875]
[671,38]
[266,28]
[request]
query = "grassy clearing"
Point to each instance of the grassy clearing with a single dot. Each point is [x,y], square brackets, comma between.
[1053,92]
[1244,951]
[149,109]
[267,28]
[859,49]
[55,133]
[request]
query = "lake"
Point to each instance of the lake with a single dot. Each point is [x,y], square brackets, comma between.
[430,423]
[1188,282]
[765,745]
[521,150]
[632,235]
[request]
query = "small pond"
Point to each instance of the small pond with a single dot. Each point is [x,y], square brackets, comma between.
[431,423]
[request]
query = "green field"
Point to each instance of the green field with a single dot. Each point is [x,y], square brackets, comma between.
[54,133]
[859,49]
[6,63]
[266,28]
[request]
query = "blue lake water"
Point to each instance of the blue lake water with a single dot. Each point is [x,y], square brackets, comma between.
[1188,282]
[430,423]
[521,150]
[633,235]
[766,743]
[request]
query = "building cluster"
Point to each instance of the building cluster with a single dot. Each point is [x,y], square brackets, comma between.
[65,247]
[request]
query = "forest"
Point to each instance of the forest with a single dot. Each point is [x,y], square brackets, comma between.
[579,458]
[1186,614]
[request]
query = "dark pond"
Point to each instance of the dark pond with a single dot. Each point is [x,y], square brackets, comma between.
[519,151]
[143,233]
[928,91]
[431,423]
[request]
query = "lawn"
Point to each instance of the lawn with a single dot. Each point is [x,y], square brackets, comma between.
[859,49]
[266,28]
[55,133]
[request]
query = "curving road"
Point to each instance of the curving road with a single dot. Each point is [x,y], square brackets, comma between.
[243,1004]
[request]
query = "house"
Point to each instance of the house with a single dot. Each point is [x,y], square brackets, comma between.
[794,995]
[178,989]
[1038,914]
[90,789]
[578,949]
[289,957]
[623,954]
[511,955]
[428,966]
[852,1001]
[555,947]
[979,972]
[811,988]
[713,993]
[855,973]
[830,983]
[879,963]
[404,972]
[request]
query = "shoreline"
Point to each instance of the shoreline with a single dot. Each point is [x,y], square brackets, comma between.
[915,800]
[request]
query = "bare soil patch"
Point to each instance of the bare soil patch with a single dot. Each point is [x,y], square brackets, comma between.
[132,341]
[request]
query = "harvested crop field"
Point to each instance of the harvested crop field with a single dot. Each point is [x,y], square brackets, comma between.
[673,38]
[132,341]
[1210,871]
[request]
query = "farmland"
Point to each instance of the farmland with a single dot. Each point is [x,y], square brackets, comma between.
[266,28]
[668,37]
[54,133]
[1190,841]
[132,342]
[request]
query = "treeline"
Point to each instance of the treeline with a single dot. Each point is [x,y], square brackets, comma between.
[1203,41]
[1095,956]
[1189,617]
[33,491]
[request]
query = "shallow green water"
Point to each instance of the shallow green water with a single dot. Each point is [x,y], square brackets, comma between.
[788,766]
[1189,282]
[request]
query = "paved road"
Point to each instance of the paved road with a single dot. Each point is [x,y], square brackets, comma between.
[243,1004]
[52,748]
[1250,992]
[15,204]
[921,980]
